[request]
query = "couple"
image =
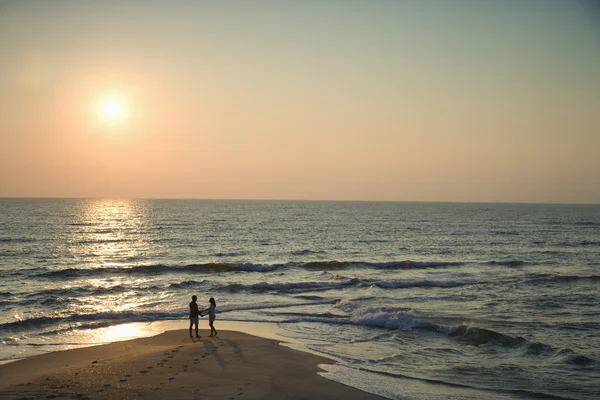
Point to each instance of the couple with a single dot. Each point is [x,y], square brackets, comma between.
[194,313]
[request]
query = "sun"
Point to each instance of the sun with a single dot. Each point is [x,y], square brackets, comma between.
[112,110]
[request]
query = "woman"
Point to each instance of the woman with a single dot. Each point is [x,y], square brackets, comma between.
[211,316]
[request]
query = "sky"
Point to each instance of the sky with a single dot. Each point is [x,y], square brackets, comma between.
[392,100]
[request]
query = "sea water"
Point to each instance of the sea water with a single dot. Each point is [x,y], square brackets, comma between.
[413,300]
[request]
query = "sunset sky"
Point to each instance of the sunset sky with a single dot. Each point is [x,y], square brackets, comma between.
[326,100]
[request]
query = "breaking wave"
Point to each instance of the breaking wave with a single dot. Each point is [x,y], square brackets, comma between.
[403,319]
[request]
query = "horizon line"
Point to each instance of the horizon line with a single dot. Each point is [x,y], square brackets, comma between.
[292,200]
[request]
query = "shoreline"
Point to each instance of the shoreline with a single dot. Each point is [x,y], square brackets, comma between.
[137,330]
[234,365]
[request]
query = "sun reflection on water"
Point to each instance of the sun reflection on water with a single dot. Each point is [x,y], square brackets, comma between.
[110,231]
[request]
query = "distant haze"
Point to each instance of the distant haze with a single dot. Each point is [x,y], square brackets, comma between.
[340,100]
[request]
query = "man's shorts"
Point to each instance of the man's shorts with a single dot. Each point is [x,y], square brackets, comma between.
[193,321]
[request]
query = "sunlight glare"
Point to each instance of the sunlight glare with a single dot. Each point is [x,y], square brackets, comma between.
[117,333]
[112,109]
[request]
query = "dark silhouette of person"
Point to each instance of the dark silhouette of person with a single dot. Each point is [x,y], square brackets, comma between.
[194,315]
[211,316]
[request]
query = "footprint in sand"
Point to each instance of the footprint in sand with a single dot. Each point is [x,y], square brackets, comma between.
[123,380]
[128,376]
[107,385]
[150,367]
[170,357]
[164,360]
[143,371]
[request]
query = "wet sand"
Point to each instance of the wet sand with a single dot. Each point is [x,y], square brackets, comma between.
[172,365]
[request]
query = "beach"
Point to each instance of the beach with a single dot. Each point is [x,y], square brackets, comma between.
[171,365]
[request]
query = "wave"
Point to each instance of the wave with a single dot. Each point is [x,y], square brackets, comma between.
[337,283]
[269,305]
[96,319]
[406,264]
[294,287]
[508,263]
[554,278]
[569,356]
[309,297]
[405,319]
[312,316]
[385,317]
[185,284]
[402,284]
[325,265]
[587,223]
[577,244]
[216,267]
[307,252]
[590,243]
[230,254]
[155,269]
[476,336]
[17,240]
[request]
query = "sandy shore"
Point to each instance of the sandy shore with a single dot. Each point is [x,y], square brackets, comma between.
[171,365]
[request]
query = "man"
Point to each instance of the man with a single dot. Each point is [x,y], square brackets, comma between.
[194,315]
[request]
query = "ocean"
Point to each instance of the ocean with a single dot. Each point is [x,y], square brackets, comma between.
[474,300]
